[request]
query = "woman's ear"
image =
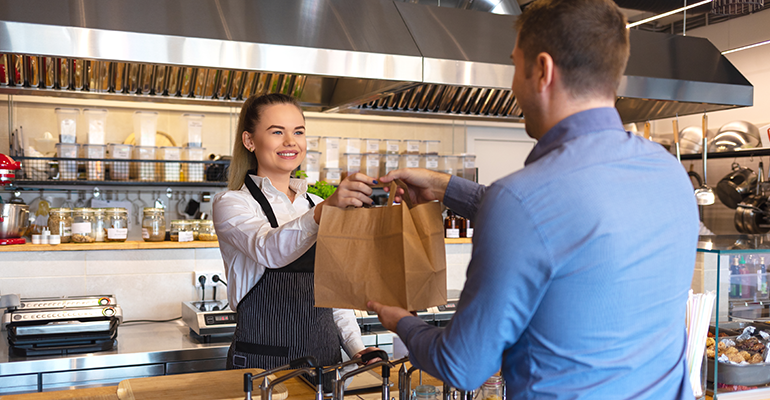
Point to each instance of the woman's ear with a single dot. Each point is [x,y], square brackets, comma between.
[247,142]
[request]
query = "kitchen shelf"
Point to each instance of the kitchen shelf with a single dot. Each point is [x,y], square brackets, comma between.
[458,241]
[758,152]
[127,245]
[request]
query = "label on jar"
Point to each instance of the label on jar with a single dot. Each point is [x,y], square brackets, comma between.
[412,147]
[372,147]
[469,233]
[391,162]
[120,233]
[354,161]
[413,162]
[81,228]
[392,147]
[67,231]
[372,162]
[145,233]
[185,236]
[431,164]
[452,233]
[470,164]
[333,175]
[121,152]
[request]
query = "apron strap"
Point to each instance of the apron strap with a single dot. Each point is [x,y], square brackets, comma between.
[262,200]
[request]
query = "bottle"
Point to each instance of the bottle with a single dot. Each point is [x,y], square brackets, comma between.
[746,289]
[735,287]
[492,389]
[451,225]
[425,392]
[466,228]
[762,279]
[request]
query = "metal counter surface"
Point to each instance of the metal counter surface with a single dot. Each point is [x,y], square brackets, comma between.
[137,344]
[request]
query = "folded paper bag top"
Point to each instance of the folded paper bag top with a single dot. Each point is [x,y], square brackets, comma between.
[394,255]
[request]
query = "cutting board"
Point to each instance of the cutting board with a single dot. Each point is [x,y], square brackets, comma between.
[216,385]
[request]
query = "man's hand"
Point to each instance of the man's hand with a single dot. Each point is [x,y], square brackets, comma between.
[424,185]
[353,191]
[388,315]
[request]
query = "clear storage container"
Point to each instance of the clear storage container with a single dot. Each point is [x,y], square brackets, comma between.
[169,171]
[100,224]
[351,163]
[351,145]
[145,170]
[68,169]
[83,226]
[97,124]
[192,126]
[448,164]
[390,163]
[372,164]
[429,161]
[409,161]
[431,146]
[392,146]
[145,127]
[68,122]
[60,223]
[313,143]
[332,176]
[312,166]
[95,166]
[412,146]
[181,230]
[192,172]
[119,169]
[116,224]
[468,162]
[206,231]
[492,389]
[372,145]
[330,149]
[153,224]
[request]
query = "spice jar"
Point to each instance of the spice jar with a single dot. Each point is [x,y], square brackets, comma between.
[83,224]
[153,225]
[116,224]
[451,225]
[181,230]
[207,232]
[99,224]
[493,388]
[466,228]
[60,223]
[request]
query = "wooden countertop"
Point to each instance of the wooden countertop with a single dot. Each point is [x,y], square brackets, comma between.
[297,389]
[137,245]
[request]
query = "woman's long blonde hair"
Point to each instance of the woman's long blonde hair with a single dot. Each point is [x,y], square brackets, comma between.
[243,160]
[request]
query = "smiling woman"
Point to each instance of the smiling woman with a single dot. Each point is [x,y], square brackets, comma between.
[267,225]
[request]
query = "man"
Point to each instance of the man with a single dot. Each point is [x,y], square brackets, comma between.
[581,262]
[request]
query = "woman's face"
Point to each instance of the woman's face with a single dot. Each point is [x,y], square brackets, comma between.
[278,140]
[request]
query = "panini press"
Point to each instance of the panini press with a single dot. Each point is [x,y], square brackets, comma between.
[61,326]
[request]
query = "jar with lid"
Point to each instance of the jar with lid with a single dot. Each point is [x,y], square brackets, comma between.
[153,224]
[206,231]
[115,224]
[99,224]
[196,224]
[425,392]
[181,230]
[493,388]
[83,226]
[466,228]
[60,223]
[451,225]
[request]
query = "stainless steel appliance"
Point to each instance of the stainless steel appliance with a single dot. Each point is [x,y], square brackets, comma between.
[59,326]
[209,319]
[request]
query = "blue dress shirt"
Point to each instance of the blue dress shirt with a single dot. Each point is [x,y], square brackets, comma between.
[577,285]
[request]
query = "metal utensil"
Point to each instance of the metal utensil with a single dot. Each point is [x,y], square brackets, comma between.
[704,196]
[676,138]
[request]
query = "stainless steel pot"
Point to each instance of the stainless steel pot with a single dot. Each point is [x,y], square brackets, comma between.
[735,135]
[750,215]
[14,220]
[736,186]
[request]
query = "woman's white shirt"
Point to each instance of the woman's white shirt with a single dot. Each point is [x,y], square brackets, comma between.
[249,245]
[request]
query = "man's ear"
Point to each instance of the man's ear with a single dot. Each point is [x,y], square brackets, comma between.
[544,71]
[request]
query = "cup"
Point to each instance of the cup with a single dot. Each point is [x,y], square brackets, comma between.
[36,239]
[54,239]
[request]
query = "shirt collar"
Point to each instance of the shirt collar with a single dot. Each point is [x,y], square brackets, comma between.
[574,126]
[298,185]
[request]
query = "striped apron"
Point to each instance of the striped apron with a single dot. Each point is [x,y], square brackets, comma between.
[277,320]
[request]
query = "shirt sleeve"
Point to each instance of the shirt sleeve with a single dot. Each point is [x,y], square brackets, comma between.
[463,196]
[508,274]
[239,224]
[349,331]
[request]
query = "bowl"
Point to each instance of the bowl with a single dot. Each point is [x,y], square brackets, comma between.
[15,219]
[735,135]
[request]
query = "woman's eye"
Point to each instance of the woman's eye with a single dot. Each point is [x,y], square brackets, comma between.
[299,133]
[277,133]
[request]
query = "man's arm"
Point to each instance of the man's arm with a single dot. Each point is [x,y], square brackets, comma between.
[508,275]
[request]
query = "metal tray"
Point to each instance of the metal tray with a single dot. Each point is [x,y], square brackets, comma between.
[745,375]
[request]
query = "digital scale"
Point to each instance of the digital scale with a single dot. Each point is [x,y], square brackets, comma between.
[208,318]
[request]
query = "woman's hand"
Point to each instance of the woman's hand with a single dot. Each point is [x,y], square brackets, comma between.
[424,185]
[368,350]
[353,191]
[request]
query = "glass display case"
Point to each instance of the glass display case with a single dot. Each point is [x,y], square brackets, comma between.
[735,266]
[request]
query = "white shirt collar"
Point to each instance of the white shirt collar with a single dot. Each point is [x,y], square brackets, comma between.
[298,185]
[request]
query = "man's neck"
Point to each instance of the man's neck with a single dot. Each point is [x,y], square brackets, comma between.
[563,109]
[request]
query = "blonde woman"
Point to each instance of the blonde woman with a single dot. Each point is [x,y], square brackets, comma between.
[267,224]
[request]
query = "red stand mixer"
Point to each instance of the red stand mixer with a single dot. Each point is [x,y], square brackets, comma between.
[14,218]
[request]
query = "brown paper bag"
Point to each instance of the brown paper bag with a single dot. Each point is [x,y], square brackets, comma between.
[394,255]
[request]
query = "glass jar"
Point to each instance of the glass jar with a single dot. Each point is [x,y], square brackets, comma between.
[83,226]
[153,225]
[451,225]
[493,388]
[207,232]
[425,392]
[116,224]
[99,224]
[466,228]
[196,225]
[181,230]
[60,223]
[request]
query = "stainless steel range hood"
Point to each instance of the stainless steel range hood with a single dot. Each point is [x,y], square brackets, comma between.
[354,56]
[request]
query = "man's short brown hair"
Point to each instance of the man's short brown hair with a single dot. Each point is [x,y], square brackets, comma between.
[587,39]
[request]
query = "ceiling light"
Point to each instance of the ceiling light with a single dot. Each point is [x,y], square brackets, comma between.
[746,47]
[666,14]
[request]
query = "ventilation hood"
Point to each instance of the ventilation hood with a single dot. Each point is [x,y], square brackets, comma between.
[352,56]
